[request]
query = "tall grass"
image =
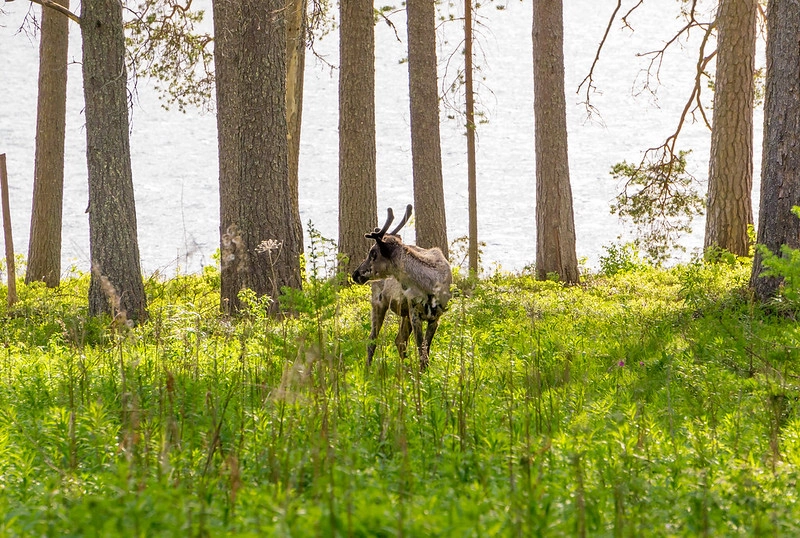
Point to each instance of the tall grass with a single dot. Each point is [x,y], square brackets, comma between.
[645,403]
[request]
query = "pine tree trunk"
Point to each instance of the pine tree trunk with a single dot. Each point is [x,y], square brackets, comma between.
[358,199]
[112,214]
[295,69]
[555,225]
[269,211]
[426,152]
[730,176]
[227,49]
[780,176]
[256,197]
[472,175]
[44,248]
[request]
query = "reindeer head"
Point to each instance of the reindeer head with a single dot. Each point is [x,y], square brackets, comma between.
[378,264]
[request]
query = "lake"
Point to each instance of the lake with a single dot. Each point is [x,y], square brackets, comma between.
[174,155]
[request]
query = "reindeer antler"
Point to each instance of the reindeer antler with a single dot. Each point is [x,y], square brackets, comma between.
[379,233]
[402,222]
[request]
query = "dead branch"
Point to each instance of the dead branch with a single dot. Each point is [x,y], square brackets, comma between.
[589,79]
[624,18]
[657,55]
[389,23]
[58,7]
[667,149]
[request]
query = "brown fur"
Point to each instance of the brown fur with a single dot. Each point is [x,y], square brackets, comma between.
[411,281]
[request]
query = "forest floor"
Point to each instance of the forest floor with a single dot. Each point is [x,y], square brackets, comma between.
[644,402]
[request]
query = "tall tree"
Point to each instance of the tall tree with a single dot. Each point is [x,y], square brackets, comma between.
[555,223]
[227,50]
[472,174]
[261,234]
[44,247]
[113,243]
[296,27]
[426,151]
[730,177]
[780,173]
[358,199]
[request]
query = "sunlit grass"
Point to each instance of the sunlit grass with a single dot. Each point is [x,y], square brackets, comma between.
[645,403]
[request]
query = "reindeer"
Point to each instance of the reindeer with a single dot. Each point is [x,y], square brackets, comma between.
[413,282]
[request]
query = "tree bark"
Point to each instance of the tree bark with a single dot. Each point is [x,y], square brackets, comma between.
[11,269]
[555,224]
[358,199]
[227,50]
[113,242]
[780,175]
[44,248]
[472,175]
[730,177]
[268,208]
[426,152]
[295,69]
[256,200]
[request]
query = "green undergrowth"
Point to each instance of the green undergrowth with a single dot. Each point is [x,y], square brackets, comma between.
[652,402]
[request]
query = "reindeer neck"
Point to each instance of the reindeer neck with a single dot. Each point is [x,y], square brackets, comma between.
[415,270]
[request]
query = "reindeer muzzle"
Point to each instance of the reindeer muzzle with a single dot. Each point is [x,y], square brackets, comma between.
[359,278]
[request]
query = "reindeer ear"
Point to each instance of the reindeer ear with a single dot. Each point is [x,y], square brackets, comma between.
[386,248]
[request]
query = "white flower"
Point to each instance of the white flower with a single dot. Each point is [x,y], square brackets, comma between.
[269,245]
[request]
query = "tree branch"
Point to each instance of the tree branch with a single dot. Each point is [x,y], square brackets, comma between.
[628,14]
[589,79]
[389,23]
[668,147]
[58,7]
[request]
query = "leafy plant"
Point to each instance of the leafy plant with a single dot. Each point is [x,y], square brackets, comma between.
[621,258]
[786,266]
[320,272]
[660,199]
[164,44]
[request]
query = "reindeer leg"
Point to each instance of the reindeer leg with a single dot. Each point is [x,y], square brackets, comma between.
[416,324]
[429,332]
[378,315]
[402,336]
